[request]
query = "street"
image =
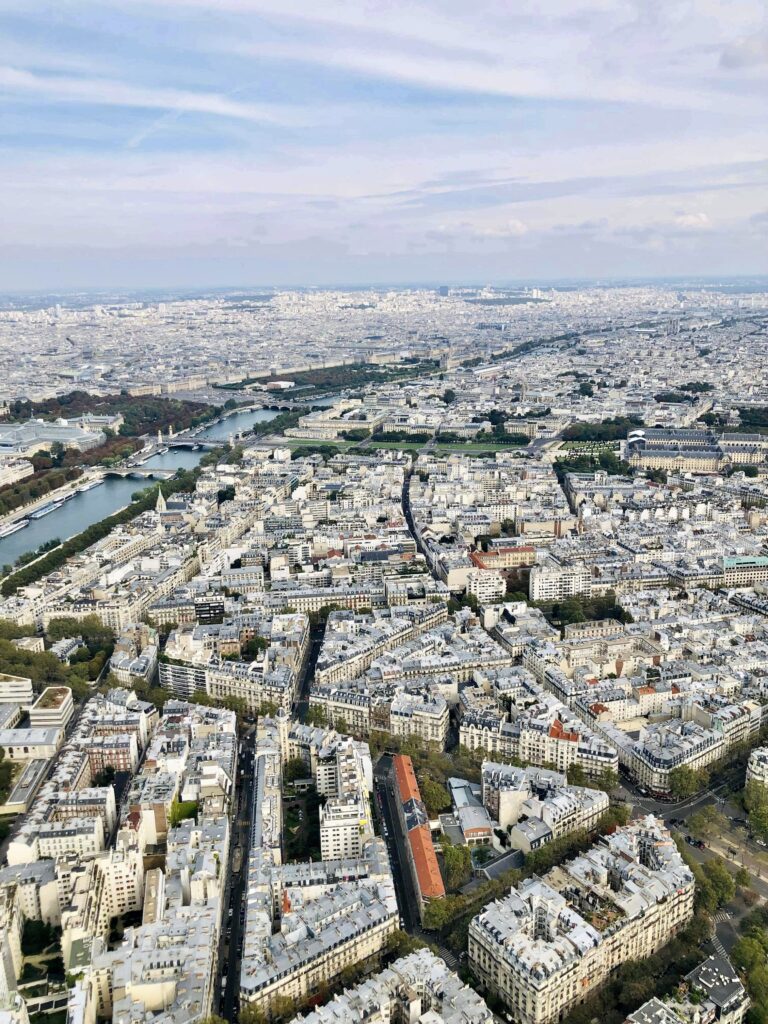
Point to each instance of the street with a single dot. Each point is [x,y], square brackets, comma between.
[301,704]
[407,898]
[233,914]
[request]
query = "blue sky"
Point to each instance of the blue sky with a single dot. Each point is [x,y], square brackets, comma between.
[192,143]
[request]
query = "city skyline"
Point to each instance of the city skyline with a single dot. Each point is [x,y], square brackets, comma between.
[170,146]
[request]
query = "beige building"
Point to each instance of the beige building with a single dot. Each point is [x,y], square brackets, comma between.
[554,582]
[16,690]
[757,766]
[52,709]
[486,585]
[544,948]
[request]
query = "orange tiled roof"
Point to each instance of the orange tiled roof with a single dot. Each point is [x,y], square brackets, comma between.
[557,731]
[425,861]
[406,778]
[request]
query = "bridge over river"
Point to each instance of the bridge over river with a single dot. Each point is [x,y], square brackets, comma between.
[142,472]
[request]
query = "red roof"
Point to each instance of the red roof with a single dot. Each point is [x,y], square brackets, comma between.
[420,838]
[425,862]
[406,778]
[557,731]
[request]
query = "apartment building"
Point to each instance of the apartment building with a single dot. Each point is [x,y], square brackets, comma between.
[420,713]
[486,585]
[711,992]
[553,940]
[16,690]
[553,581]
[757,766]
[342,908]
[540,798]
[419,986]
[345,818]
[512,717]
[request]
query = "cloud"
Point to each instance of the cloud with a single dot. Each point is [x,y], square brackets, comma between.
[697,221]
[583,135]
[106,92]
[746,53]
[508,229]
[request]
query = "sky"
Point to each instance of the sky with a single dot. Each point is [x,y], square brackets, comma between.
[194,143]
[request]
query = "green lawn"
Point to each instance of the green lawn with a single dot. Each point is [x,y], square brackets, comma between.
[403,446]
[478,446]
[446,449]
[470,447]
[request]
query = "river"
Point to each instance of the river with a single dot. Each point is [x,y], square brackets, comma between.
[115,492]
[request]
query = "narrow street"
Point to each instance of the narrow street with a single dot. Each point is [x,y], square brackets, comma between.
[301,704]
[406,895]
[234,904]
[407,899]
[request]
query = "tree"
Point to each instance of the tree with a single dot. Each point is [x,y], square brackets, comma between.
[37,937]
[57,453]
[400,943]
[89,628]
[706,820]
[10,631]
[576,775]
[181,810]
[316,715]
[685,782]
[748,954]
[250,650]
[295,768]
[721,880]
[742,878]
[439,913]
[458,864]
[251,1015]
[283,1007]
[607,780]
[435,796]
[756,803]
[571,611]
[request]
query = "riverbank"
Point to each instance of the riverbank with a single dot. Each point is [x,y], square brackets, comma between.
[113,494]
[60,494]
[96,531]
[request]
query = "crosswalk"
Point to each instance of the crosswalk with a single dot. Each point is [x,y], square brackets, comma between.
[450,958]
[719,918]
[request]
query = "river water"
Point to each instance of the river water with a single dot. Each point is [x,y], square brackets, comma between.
[115,492]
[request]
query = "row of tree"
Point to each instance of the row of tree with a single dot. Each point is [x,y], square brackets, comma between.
[21,493]
[184,480]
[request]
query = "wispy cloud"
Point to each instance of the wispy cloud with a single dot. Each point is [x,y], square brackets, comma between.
[111,93]
[355,135]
